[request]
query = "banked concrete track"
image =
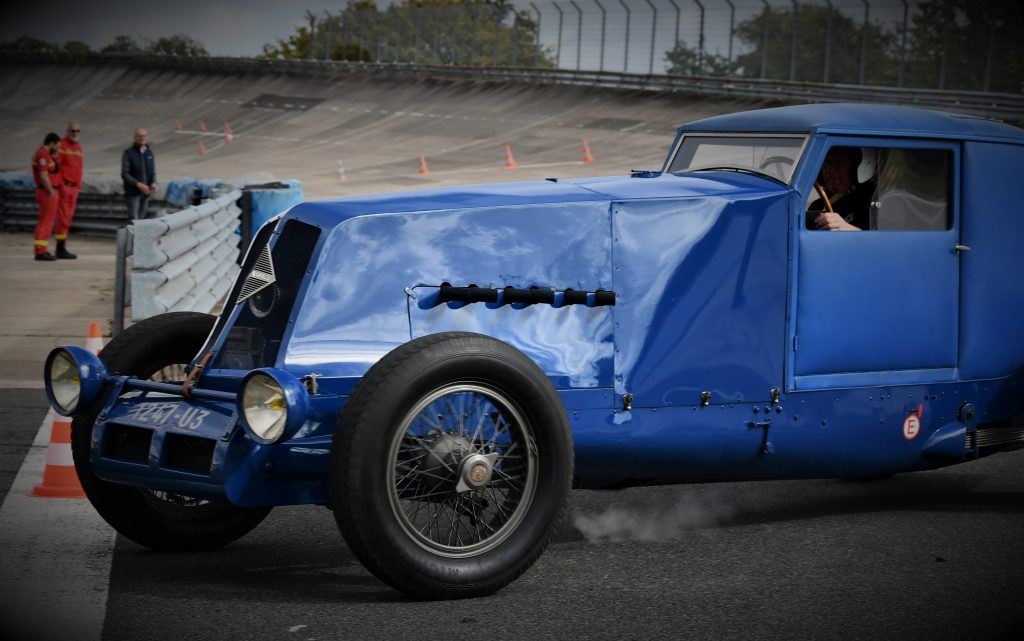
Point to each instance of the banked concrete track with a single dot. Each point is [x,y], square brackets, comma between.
[301,125]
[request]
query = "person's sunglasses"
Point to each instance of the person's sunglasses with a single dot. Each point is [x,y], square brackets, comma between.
[74,131]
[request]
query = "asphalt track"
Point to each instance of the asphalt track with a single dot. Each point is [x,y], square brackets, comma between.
[928,555]
[302,126]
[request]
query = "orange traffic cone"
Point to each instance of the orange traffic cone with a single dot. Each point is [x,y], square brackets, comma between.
[59,477]
[202,149]
[202,126]
[229,136]
[423,164]
[586,152]
[177,126]
[510,162]
[341,172]
[94,339]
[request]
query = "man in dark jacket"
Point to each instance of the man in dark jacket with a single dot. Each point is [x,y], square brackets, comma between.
[138,171]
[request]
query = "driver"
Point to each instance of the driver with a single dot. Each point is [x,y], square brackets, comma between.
[848,203]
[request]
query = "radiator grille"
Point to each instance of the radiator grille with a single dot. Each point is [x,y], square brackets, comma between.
[256,336]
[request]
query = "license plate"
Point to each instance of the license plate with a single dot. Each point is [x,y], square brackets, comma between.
[174,414]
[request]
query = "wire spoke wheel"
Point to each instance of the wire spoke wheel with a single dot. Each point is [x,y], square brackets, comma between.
[451,466]
[464,470]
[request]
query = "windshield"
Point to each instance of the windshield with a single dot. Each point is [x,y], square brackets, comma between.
[773,156]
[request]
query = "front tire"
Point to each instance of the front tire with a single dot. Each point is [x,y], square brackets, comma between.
[158,348]
[451,466]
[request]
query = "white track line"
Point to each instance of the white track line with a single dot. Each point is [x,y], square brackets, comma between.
[55,557]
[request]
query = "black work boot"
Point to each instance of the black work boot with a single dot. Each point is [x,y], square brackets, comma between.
[62,251]
[45,256]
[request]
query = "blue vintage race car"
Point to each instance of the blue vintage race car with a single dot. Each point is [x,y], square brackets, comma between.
[440,367]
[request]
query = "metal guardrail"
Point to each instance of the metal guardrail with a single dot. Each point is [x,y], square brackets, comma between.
[103,213]
[1004,106]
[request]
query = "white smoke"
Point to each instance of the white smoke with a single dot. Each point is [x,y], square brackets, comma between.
[625,524]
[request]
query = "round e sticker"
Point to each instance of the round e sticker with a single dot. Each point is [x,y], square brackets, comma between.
[911,426]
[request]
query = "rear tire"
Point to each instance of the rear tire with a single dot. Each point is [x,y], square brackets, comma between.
[158,348]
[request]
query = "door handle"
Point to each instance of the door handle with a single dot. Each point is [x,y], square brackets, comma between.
[961,248]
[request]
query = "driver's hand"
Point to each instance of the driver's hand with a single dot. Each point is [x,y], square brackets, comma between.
[833,222]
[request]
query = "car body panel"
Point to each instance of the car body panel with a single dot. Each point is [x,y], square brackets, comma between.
[741,345]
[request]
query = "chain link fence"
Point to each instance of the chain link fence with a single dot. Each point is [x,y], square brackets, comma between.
[967,45]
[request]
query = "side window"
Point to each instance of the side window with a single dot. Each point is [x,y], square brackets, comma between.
[913,189]
[886,189]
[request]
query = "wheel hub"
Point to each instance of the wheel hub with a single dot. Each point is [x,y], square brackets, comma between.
[475,471]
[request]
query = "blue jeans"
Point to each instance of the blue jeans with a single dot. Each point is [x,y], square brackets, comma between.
[136,206]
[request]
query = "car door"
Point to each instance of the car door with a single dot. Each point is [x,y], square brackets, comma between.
[880,306]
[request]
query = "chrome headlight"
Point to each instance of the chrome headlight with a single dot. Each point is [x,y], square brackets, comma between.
[73,378]
[272,404]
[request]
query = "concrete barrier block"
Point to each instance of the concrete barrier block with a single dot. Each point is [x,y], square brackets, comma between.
[147,252]
[174,290]
[144,300]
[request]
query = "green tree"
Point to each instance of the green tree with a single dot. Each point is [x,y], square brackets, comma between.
[77,47]
[684,61]
[122,44]
[442,32]
[26,44]
[816,25]
[176,45]
[981,41]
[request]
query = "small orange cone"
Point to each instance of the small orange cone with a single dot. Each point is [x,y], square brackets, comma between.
[59,478]
[586,152]
[423,164]
[229,136]
[341,172]
[177,126]
[202,126]
[94,339]
[510,162]
[202,149]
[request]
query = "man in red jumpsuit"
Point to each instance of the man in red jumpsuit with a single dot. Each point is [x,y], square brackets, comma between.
[46,173]
[70,159]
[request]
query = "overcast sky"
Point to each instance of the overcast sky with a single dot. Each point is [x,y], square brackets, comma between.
[225,27]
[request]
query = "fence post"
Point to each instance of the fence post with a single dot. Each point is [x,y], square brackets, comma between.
[987,84]
[625,57]
[579,31]
[654,32]
[398,34]
[864,44]
[558,52]
[312,34]
[700,41]
[472,47]
[604,16]
[792,41]
[418,11]
[120,279]
[903,44]
[330,33]
[380,36]
[732,21]
[828,40]
[536,45]
[764,39]
[497,34]
[454,15]
[945,50]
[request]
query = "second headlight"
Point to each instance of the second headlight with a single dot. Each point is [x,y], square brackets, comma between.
[272,403]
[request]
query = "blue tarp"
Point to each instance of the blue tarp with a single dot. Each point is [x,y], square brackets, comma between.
[179,192]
